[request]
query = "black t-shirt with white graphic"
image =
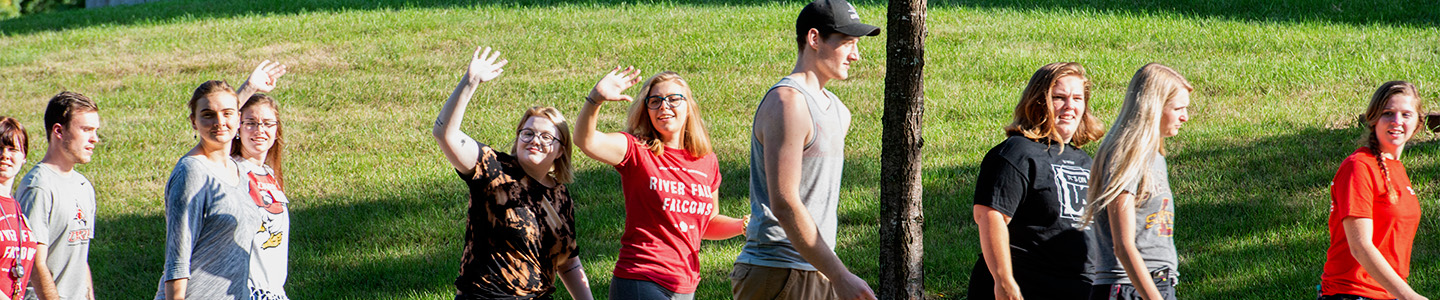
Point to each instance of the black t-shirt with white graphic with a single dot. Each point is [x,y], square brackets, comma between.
[1042,187]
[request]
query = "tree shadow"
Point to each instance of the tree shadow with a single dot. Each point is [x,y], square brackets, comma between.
[1251,214]
[1361,12]
[166,11]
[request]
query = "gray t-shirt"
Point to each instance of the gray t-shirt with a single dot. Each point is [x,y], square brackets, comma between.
[270,251]
[61,211]
[1154,229]
[820,170]
[209,226]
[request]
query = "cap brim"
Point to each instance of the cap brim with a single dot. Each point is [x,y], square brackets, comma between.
[859,29]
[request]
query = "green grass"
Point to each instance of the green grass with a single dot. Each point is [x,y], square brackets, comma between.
[378,213]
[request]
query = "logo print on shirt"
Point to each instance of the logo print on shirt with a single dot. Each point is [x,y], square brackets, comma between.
[1164,219]
[84,233]
[1071,182]
[275,237]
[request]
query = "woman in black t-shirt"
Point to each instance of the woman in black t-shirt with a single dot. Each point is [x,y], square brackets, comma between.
[1031,191]
[520,231]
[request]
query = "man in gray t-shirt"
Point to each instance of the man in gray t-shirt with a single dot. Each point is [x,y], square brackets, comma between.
[797,153]
[59,203]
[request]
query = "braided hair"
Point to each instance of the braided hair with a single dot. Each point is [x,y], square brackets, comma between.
[1373,113]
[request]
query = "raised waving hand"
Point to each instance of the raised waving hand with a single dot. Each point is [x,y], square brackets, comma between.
[612,86]
[606,147]
[262,80]
[484,67]
[266,76]
[462,151]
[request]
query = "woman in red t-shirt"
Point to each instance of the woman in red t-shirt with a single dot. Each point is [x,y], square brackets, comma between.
[14,144]
[670,179]
[1373,210]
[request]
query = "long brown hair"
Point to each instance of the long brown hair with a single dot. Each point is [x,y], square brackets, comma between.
[1373,113]
[1034,116]
[694,137]
[275,155]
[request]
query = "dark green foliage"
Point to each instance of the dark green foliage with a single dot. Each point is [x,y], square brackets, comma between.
[38,6]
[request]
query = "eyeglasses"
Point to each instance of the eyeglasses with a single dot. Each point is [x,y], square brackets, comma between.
[672,101]
[261,125]
[527,135]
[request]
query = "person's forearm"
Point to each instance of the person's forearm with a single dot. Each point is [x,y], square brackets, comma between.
[573,276]
[1122,236]
[585,124]
[454,110]
[43,281]
[724,227]
[175,289]
[243,94]
[1135,269]
[1374,263]
[805,237]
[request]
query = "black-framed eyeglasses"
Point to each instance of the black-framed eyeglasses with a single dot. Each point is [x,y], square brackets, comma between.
[527,135]
[252,125]
[672,101]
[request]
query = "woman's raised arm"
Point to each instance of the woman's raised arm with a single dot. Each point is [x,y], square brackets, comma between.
[462,151]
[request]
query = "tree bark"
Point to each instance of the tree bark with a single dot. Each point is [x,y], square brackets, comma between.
[902,269]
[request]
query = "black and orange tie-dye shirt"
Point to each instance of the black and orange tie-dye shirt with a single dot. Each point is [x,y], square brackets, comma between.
[517,234]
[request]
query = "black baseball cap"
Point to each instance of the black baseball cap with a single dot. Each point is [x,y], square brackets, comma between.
[833,16]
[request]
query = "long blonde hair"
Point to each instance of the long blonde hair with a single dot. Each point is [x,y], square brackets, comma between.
[1376,108]
[694,137]
[1134,139]
[1035,118]
[563,169]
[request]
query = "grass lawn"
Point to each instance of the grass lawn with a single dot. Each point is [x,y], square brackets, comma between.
[378,214]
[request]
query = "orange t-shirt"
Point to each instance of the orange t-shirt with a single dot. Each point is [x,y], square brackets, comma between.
[1358,191]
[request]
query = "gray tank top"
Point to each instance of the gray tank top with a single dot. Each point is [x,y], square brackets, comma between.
[820,170]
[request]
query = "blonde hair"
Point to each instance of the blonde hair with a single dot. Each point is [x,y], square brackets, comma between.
[1376,109]
[1034,116]
[1134,140]
[693,135]
[563,169]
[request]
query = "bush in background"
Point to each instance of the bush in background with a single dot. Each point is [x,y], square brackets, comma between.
[35,6]
[9,9]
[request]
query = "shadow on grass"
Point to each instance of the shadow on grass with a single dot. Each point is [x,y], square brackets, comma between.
[399,239]
[1360,12]
[1385,12]
[1251,215]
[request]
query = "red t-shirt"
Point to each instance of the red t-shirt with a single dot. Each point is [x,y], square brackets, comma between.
[25,249]
[1358,191]
[669,199]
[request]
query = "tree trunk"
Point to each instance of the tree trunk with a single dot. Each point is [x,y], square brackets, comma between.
[902,269]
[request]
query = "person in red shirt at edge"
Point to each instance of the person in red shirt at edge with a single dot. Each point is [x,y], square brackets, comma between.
[1373,209]
[670,178]
[14,145]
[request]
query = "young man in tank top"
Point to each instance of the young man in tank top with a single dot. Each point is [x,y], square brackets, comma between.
[796,157]
[59,202]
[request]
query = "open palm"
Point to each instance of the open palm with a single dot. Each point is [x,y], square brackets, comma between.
[610,87]
[266,76]
[484,67]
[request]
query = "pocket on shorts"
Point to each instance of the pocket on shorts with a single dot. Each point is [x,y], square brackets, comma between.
[739,272]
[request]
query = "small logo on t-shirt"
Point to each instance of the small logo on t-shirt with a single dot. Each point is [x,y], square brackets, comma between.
[83,232]
[1071,182]
[1164,219]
